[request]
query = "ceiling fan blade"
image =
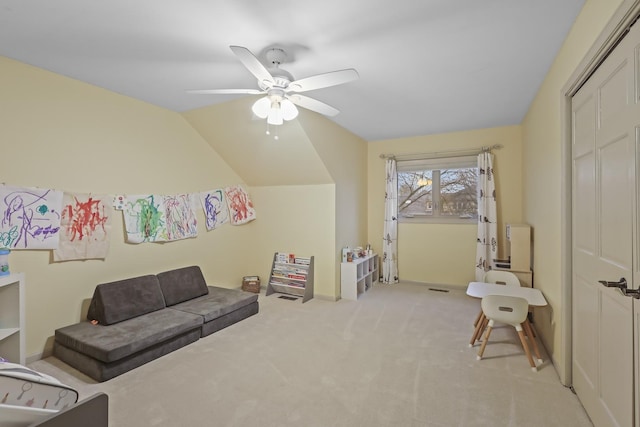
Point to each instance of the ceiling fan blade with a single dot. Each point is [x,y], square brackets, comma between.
[320,81]
[313,105]
[226,91]
[253,64]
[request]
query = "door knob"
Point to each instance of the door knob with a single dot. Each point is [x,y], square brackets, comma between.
[622,287]
[622,283]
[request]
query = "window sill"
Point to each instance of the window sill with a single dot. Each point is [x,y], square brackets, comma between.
[437,220]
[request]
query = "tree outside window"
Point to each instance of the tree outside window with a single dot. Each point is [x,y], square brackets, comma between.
[437,190]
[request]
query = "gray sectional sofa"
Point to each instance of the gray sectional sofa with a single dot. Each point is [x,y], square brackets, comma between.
[131,322]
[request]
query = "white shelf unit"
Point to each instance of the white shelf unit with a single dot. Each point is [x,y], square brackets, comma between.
[519,252]
[12,335]
[291,275]
[358,276]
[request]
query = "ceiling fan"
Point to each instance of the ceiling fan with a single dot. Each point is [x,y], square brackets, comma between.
[280,88]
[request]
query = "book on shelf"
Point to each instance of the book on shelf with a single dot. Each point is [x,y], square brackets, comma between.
[284,271]
[291,268]
[284,257]
[289,258]
[287,277]
[276,281]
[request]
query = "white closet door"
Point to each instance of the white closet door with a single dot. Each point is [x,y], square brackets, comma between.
[605,237]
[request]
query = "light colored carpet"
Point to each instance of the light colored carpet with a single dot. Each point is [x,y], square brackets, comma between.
[398,356]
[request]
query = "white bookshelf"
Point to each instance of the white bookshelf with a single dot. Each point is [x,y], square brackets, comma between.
[12,335]
[292,275]
[358,276]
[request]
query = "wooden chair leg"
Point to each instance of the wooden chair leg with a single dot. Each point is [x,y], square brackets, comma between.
[475,322]
[526,349]
[532,337]
[533,330]
[477,333]
[484,342]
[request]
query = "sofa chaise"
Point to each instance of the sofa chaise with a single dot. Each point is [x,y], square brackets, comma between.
[134,321]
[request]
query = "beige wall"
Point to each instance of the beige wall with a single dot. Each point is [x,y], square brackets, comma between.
[62,134]
[258,158]
[543,173]
[345,156]
[438,253]
[298,219]
[311,151]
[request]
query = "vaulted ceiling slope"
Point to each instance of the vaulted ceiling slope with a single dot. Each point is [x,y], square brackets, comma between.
[426,67]
[259,159]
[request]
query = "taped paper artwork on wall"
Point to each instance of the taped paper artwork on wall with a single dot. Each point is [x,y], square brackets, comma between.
[77,226]
[215,208]
[85,227]
[30,217]
[144,219]
[240,205]
[180,217]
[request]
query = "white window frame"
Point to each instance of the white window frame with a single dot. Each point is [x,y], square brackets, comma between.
[435,165]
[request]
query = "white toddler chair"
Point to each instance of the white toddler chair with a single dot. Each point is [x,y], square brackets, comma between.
[506,278]
[510,310]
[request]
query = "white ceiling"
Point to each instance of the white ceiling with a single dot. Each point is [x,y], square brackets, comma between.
[426,66]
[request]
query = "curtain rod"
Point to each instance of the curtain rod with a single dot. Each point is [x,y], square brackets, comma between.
[435,155]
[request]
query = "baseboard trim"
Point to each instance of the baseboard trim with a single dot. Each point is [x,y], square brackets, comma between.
[46,352]
[38,356]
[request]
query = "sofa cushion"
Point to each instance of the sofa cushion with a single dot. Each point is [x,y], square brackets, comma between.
[218,302]
[182,284]
[109,343]
[117,301]
[229,319]
[101,371]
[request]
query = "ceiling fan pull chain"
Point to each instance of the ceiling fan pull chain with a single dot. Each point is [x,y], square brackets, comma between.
[268,132]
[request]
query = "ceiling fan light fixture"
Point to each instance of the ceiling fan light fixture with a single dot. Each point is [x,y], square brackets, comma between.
[289,110]
[261,107]
[275,114]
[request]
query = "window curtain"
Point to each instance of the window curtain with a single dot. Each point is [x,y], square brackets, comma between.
[390,241]
[487,246]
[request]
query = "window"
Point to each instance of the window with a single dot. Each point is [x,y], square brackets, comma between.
[438,190]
